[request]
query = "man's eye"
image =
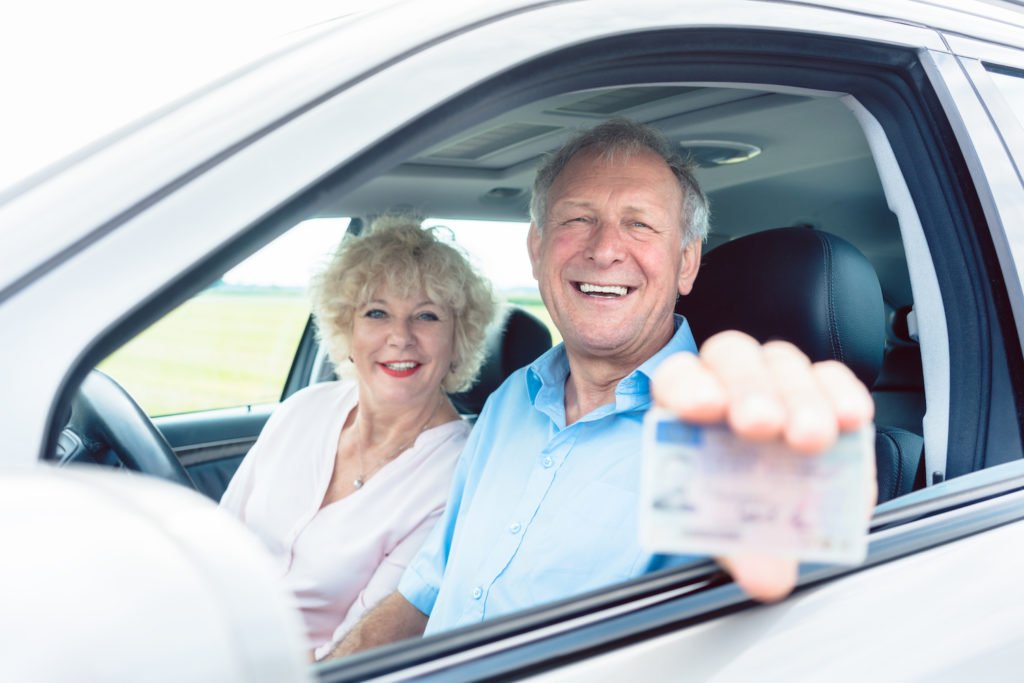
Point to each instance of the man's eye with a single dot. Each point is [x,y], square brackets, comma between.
[375,313]
[639,224]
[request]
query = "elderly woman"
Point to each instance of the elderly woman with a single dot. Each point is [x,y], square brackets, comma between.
[348,477]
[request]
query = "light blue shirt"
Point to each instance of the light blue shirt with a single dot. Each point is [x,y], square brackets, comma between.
[539,511]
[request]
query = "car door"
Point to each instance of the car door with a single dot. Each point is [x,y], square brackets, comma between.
[187,220]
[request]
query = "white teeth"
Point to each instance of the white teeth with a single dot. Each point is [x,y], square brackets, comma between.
[588,288]
[405,365]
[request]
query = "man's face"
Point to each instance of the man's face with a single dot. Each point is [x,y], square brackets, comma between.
[609,258]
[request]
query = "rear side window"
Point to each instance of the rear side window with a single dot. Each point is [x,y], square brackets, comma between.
[233,344]
[498,250]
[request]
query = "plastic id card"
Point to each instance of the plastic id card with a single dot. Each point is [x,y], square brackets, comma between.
[707,492]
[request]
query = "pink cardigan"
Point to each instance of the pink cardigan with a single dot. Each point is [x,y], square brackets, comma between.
[341,560]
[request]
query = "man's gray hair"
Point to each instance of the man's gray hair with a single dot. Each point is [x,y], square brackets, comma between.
[626,137]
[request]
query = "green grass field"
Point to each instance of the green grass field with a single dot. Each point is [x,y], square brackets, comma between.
[215,351]
[222,349]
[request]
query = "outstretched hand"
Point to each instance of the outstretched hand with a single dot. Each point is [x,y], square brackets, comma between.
[765,392]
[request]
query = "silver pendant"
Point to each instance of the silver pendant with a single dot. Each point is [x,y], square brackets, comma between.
[358,482]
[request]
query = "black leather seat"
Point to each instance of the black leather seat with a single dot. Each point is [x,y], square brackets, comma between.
[519,340]
[817,291]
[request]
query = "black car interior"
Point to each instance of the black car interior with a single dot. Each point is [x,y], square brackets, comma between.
[820,293]
[838,286]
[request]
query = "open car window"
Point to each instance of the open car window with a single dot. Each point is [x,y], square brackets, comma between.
[233,344]
[841,135]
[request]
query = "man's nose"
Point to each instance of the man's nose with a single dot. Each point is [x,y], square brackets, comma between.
[605,246]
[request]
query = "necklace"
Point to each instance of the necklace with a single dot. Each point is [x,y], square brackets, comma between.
[364,474]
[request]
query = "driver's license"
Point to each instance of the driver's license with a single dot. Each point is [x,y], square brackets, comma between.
[707,492]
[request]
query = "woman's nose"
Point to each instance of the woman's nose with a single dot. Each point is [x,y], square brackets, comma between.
[400,333]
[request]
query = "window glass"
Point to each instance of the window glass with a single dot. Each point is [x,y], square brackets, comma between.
[233,344]
[498,250]
[1012,88]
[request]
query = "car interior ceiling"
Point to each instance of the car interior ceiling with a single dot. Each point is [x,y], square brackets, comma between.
[766,159]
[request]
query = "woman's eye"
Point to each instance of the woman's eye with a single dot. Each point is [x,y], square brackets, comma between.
[375,313]
[428,315]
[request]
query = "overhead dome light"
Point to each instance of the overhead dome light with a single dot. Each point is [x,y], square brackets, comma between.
[710,153]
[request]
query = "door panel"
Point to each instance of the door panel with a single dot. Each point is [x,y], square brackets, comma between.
[211,444]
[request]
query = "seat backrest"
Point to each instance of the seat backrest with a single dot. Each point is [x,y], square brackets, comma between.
[805,286]
[519,339]
[816,291]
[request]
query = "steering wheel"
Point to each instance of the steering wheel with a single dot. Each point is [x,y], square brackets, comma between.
[104,416]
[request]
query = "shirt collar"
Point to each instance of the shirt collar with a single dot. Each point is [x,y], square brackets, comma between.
[545,377]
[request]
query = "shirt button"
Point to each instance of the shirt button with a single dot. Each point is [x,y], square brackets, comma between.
[514,527]
[478,593]
[547,462]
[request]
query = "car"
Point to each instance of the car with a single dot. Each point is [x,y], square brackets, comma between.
[889,131]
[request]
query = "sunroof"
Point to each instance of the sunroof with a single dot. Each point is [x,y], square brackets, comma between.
[617,101]
[492,140]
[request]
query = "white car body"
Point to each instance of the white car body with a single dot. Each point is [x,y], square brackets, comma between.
[940,600]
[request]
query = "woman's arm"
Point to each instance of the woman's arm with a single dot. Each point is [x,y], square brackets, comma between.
[383,583]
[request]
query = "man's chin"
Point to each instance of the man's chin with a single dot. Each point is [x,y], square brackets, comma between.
[604,346]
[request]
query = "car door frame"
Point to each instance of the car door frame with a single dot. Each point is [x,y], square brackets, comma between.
[235,230]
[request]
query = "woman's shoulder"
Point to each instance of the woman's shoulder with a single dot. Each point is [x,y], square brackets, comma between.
[322,392]
[314,403]
[453,433]
[441,446]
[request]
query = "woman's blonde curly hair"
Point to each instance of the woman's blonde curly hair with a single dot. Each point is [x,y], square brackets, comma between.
[398,255]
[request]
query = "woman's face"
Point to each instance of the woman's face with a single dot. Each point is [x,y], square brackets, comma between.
[402,347]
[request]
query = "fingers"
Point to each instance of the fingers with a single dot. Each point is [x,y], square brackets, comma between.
[764,578]
[764,392]
[754,409]
[810,425]
[850,399]
[684,386]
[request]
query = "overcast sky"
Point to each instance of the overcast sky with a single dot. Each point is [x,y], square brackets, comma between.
[71,72]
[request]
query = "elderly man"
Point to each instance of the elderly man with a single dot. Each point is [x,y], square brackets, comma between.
[544,501]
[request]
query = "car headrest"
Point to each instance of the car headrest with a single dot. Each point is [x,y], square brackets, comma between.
[796,284]
[518,340]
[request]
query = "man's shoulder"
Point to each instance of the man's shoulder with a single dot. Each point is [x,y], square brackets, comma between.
[512,395]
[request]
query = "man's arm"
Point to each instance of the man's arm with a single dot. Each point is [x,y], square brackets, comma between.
[392,620]
[764,393]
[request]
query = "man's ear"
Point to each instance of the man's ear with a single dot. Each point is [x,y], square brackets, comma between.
[689,267]
[533,246]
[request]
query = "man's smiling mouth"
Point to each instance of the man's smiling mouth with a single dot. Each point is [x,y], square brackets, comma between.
[602,291]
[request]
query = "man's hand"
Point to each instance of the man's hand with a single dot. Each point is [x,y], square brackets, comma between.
[763,393]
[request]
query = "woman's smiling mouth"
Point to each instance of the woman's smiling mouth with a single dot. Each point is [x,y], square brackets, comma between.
[400,368]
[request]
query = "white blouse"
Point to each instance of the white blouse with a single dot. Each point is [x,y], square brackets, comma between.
[342,560]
